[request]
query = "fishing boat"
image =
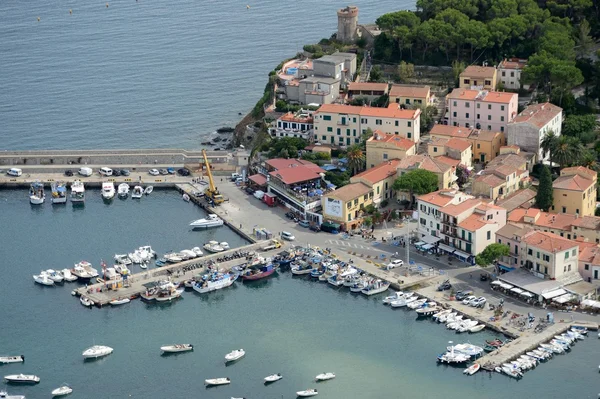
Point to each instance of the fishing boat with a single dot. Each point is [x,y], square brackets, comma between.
[325,377]
[123,190]
[108,190]
[273,378]
[62,391]
[84,271]
[148,190]
[404,301]
[43,279]
[376,287]
[301,267]
[168,292]
[256,273]
[427,311]
[211,220]
[36,193]
[235,355]
[214,281]
[359,286]
[217,381]
[177,348]
[22,378]
[137,192]
[85,301]
[119,301]
[59,192]
[96,351]
[307,393]
[472,369]
[416,304]
[213,246]
[77,191]
[12,359]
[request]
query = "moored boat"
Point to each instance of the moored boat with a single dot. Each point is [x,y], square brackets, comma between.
[36,193]
[55,276]
[256,273]
[472,369]
[137,192]
[12,359]
[307,393]
[213,246]
[77,191]
[84,271]
[235,355]
[273,378]
[97,351]
[325,376]
[217,381]
[123,190]
[211,220]
[85,301]
[119,301]
[43,279]
[300,268]
[177,348]
[214,281]
[22,378]
[375,287]
[168,292]
[59,192]
[148,190]
[108,190]
[62,391]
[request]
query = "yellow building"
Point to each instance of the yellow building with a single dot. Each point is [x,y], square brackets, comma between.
[454,148]
[575,191]
[382,147]
[380,179]
[444,172]
[478,77]
[345,205]
[485,144]
[419,96]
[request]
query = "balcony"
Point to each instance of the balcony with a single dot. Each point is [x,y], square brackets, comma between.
[298,195]
[449,221]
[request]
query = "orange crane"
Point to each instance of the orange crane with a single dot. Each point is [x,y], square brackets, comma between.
[211,192]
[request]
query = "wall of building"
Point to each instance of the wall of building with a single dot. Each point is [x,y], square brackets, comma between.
[378,153]
[572,202]
[556,266]
[489,116]
[510,78]
[467,82]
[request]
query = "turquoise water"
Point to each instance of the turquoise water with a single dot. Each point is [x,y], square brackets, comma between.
[288,325]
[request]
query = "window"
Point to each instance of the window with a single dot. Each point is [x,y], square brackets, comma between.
[349,217]
[356,141]
[423,222]
[569,268]
[347,132]
[564,209]
[503,73]
[489,235]
[512,74]
[378,121]
[529,251]
[546,258]
[538,254]
[577,211]
[408,135]
[363,120]
[409,124]
[454,103]
[454,114]
[365,197]
[489,117]
[396,123]
[574,252]
[349,204]
[478,105]
[467,105]
[385,156]
[489,127]
[502,108]
[488,82]
[501,119]
[489,106]
[478,116]
[326,117]
[355,201]
[354,120]
[434,149]
[587,267]
[566,255]
[339,131]
[377,189]
[478,146]
[501,129]
[354,132]
[324,138]
[467,115]
[329,129]
[467,81]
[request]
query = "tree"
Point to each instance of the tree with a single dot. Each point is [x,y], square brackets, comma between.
[583,40]
[545,195]
[569,151]
[416,182]
[356,158]
[549,144]
[580,126]
[368,221]
[457,68]
[405,71]
[428,115]
[375,75]
[491,254]
[463,174]
[284,153]
[589,159]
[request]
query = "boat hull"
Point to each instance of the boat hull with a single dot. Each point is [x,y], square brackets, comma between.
[258,276]
[59,200]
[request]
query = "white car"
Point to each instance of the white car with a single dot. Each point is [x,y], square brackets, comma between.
[468,299]
[479,302]
[154,172]
[395,263]
[287,236]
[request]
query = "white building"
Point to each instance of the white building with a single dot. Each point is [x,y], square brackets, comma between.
[509,73]
[294,125]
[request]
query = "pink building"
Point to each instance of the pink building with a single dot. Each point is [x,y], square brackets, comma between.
[481,109]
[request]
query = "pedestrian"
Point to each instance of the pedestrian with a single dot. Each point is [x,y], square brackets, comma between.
[240,226]
[470,275]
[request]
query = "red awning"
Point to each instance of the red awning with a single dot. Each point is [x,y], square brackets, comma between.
[259,179]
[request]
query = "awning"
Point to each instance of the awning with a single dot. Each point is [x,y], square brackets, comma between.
[554,293]
[504,267]
[259,179]
[446,248]
[496,282]
[501,284]
[527,294]
[590,303]
[418,244]
[461,254]
[426,247]
[517,290]
[564,298]
[430,239]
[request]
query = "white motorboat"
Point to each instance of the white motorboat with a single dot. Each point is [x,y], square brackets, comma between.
[307,392]
[441,313]
[512,372]
[36,193]
[122,269]
[443,318]
[22,378]
[43,279]
[123,190]
[325,377]
[108,190]
[177,348]
[416,304]
[120,301]
[351,280]
[62,391]
[225,245]
[186,198]
[187,254]
[85,301]
[235,355]
[173,258]
[84,270]
[147,252]
[77,191]
[97,351]
[375,287]
[466,325]
[213,246]
[217,381]
[148,190]
[472,369]
[273,377]
[137,192]
[59,192]
[477,328]
[55,276]
[466,349]
[397,295]
[404,301]
[5,395]
[123,259]
[135,257]
[68,276]
[12,359]
[197,251]
[300,268]
[211,221]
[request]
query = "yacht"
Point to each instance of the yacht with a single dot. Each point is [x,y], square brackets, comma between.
[84,271]
[5,395]
[108,190]
[177,348]
[307,393]
[77,191]
[62,391]
[43,279]
[123,190]
[211,221]
[12,359]
[235,355]
[68,276]
[214,281]
[217,381]
[273,378]
[22,378]
[213,246]
[137,192]
[59,192]
[97,351]
[55,276]
[36,193]
[325,377]
[123,259]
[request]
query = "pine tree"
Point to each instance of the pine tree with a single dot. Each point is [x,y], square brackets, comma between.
[544,197]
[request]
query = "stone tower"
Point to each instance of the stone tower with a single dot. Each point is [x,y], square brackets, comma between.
[347,24]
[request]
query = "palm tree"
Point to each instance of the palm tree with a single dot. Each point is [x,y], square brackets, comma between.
[549,144]
[568,151]
[356,159]
[590,161]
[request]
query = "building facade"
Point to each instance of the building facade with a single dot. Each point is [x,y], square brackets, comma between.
[382,147]
[345,205]
[380,179]
[298,125]
[478,78]
[410,96]
[548,255]
[367,90]
[509,73]
[575,191]
[482,109]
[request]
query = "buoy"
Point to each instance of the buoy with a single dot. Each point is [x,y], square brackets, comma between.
[106,5]
[39,19]
[70,11]
[247,6]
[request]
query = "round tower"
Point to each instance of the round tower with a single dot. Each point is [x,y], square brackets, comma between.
[347,24]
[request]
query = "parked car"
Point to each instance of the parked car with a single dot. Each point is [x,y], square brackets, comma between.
[304,223]
[484,277]
[105,171]
[124,172]
[154,172]
[477,302]
[235,176]
[116,172]
[14,172]
[444,286]
[85,171]
[68,172]
[394,263]
[249,190]
[468,299]
[164,172]
[460,295]
[287,236]
[171,171]
[316,229]
[183,171]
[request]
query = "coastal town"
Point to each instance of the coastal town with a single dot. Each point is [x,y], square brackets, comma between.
[470,190]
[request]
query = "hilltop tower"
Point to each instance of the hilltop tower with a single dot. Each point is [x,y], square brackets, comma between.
[347,24]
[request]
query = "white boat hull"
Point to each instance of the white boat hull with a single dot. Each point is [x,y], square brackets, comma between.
[117,302]
[12,359]
[97,351]
[217,381]
[59,200]
[177,348]
[22,378]
[62,391]
[273,378]
[307,393]
[235,355]
[35,200]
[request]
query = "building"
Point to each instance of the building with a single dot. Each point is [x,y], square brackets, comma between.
[347,24]
[367,90]
[509,73]
[382,147]
[549,255]
[504,175]
[478,78]
[444,172]
[298,125]
[485,145]
[345,205]
[453,148]
[429,207]
[510,235]
[524,198]
[407,96]
[529,128]
[339,66]
[481,109]
[343,125]
[381,179]
[589,263]
[575,191]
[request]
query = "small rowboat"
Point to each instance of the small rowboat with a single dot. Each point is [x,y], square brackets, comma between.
[477,328]
[122,301]
[307,392]
[273,378]
[177,348]
[12,359]
[85,301]
[235,355]
[62,391]
[217,381]
[472,370]
[325,377]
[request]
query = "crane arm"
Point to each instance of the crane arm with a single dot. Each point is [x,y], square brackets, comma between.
[209,173]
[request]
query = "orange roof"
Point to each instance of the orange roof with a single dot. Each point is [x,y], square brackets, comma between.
[423,162]
[482,95]
[295,175]
[366,86]
[484,135]
[558,221]
[452,131]
[259,179]
[350,191]
[458,144]
[448,161]
[280,163]
[513,63]
[400,142]
[548,242]
[472,223]
[514,160]
[589,253]
[516,199]
[490,179]
[438,198]
[289,117]
[379,172]
[587,222]
[455,210]
[463,94]
[409,91]
[538,114]
[578,170]
[476,71]
[393,111]
[575,183]
[441,141]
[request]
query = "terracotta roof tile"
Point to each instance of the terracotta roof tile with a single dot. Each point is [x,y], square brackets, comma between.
[587,222]
[472,223]
[578,170]
[548,242]
[390,112]
[484,135]
[558,221]
[538,114]
[350,191]
[510,230]
[289,117]
[438,198]
[516,199]
[379,172]
[423,162]
[485,96]
[392,139]
[514,160]
[448,161]
[512,63]
[451,131]
[455,210]
[490,179]
[259,179]
[589,253]
[409,91]
[476,71]
[574,183]
[458,144]
[367,86]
